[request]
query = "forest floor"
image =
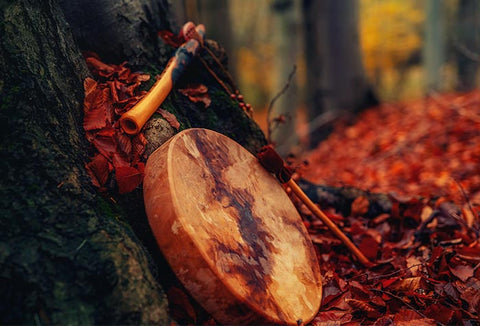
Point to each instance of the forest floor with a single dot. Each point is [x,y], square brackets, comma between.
[426,251]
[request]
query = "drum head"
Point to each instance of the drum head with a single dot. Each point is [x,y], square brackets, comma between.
[230,232]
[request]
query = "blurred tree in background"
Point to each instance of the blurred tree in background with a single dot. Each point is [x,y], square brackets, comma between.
[391,40]
[467,44]
[336,80]
[402,48]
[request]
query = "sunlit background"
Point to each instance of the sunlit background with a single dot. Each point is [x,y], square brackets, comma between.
[392,39]
[406,49]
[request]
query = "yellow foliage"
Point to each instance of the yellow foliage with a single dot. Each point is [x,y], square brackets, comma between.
[255,67]
[390,32]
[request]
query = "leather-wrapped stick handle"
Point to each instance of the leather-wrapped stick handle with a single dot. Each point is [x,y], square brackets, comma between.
[133,120]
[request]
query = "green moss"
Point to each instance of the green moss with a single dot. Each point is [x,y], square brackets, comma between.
[108,209]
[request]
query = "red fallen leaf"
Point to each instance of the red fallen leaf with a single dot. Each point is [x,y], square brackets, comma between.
[140,167]
[98,99]
[170,117]
[128,178]
[99,67]
[369,247]
[330,318]
[360,206]
[95,119]
[180,306]
[138,147]
[170,38]
[407,317]
[439,313]
[124,142]
[104,142]
[124,74]
[197,93]
[470,293]
[384,321]
[89,85]
[113,90]
[463,272]
[98,169]
[449,290]
[120,160]
[386,283]
[411,285]
[364,306]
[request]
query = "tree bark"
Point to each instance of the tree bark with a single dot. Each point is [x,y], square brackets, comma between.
[215,14]
[434,46]
[467,44]
[286,36]
[336,81]
[69,255]
[65,257]
[121,30]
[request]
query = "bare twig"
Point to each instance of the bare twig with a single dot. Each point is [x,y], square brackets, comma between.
[404,302]
[466,51]
[388,274]
[274,99]
[467,200]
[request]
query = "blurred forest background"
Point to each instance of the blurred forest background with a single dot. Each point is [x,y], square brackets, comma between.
[339,57]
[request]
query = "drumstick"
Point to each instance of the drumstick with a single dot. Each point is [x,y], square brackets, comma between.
[328,222]
[133,120]
[273,163]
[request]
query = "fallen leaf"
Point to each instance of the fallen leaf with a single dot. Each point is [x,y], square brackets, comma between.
[98,169]
[360,206]
[331,318]
[128,178]
[197,93]
[170,38]
[115,91]
[180,306]
[170,117]
[407,317]
[463,272]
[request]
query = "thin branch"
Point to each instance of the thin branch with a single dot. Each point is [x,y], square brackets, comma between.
[274,99]
[469,54]
[404,302]
[467,200]
[388,274]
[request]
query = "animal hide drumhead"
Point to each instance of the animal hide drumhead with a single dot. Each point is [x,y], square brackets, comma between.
[230,232]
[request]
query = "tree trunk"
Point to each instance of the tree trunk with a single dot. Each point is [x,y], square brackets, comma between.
[65,256]
[286,36]
[68,254]
[121,30]
[434,46]
[215,14]
[336,81]
[467,44]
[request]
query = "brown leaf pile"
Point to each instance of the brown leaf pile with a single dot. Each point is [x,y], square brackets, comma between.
[428,148]
[427,266]
[426,251]
[114,91]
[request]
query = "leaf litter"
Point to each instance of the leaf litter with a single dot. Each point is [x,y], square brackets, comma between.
[117,159]
[426,250]
[426,155]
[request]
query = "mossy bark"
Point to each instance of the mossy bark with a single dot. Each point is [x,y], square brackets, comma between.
[67,254]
